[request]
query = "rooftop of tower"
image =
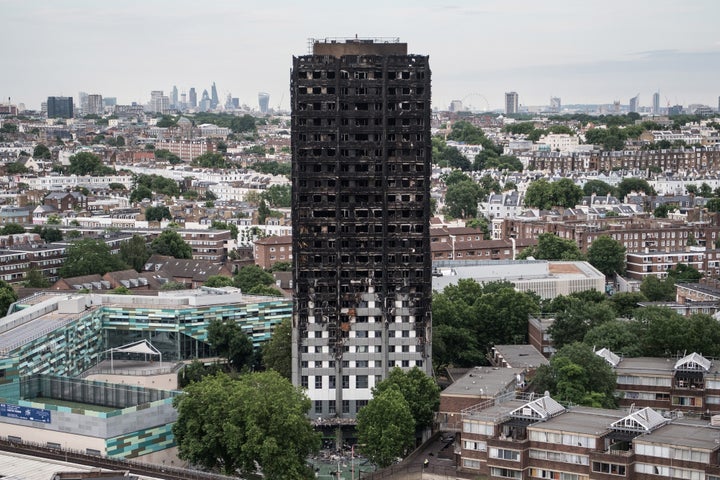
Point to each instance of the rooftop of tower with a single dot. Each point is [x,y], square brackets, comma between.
[339,46]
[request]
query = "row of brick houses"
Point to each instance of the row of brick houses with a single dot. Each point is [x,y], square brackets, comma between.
[16,259]
[665,428]
[694,159]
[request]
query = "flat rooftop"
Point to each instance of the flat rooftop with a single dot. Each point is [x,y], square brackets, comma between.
[483,382]
[585,420]
[684,433]
[521,356]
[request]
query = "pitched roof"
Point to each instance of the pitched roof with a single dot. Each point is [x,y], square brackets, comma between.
[694,361]
[643,421]
[540,409]
[609,356]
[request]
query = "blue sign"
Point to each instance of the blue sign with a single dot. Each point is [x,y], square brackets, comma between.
[24,413]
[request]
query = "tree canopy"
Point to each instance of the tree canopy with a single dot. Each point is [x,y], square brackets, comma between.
[251,275]
[546,195]
[7,297]
[576,374]
[276,353]
[607,255]
[90,256]
[421,393]
[210,160]
[597,187]
[468,318]
[86,163]
[632,184]
[385,427]
[230,342]
[169,242]
[135,252]
[228,425]
[552,247]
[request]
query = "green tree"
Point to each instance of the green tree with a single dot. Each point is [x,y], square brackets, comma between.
[713,205]
[196,371]
[218,225]
[252,275]
[277,352]
[607,255]
[135,252]
[385,427]
[625,303]
[168,156]
[539,195]
[230,342]
[552,247]
[281,267]
[210,160]
[140,193]
[217,281]
[632,184]
[661,211]
[598,187]
[577,319]
[42,151]
[90,256]
[469,318]
[576,374]
[565,193]
[656,290]
[86,163]
[7,297]
[12,229]
[35,279]
[237,425]
[167,121]
[169,242]
[157,213]
[264,290]
[48,234]
[16,168]
[461,199]
[684,273]
[420,391]
[705,190]
[619,336]
[277,196]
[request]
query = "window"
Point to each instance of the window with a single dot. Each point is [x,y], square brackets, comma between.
[331,381]
[318,382]
[505,473]
[318,406]
[346,381]
[304,381]
[504,454]
[361,381]
[478,446]
[346,406]
[611,468]
[470,463]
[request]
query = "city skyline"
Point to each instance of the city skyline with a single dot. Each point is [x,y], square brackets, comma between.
[572,50]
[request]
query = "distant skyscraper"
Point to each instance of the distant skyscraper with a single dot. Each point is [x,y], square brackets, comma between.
[109,101]
[456,106]
[214,100]
[675,110]
[94,105]
[555,104]
[511,103]
[82,103]
[192,97]
[361,218]
[634,103]
[656,103]
[264,102]
[205,102]
[174,103]
[60,107]
[159,103]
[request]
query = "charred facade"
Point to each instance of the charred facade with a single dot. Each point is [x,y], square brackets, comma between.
[361,152]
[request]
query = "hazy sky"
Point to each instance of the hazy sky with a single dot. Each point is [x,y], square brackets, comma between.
[583,51]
